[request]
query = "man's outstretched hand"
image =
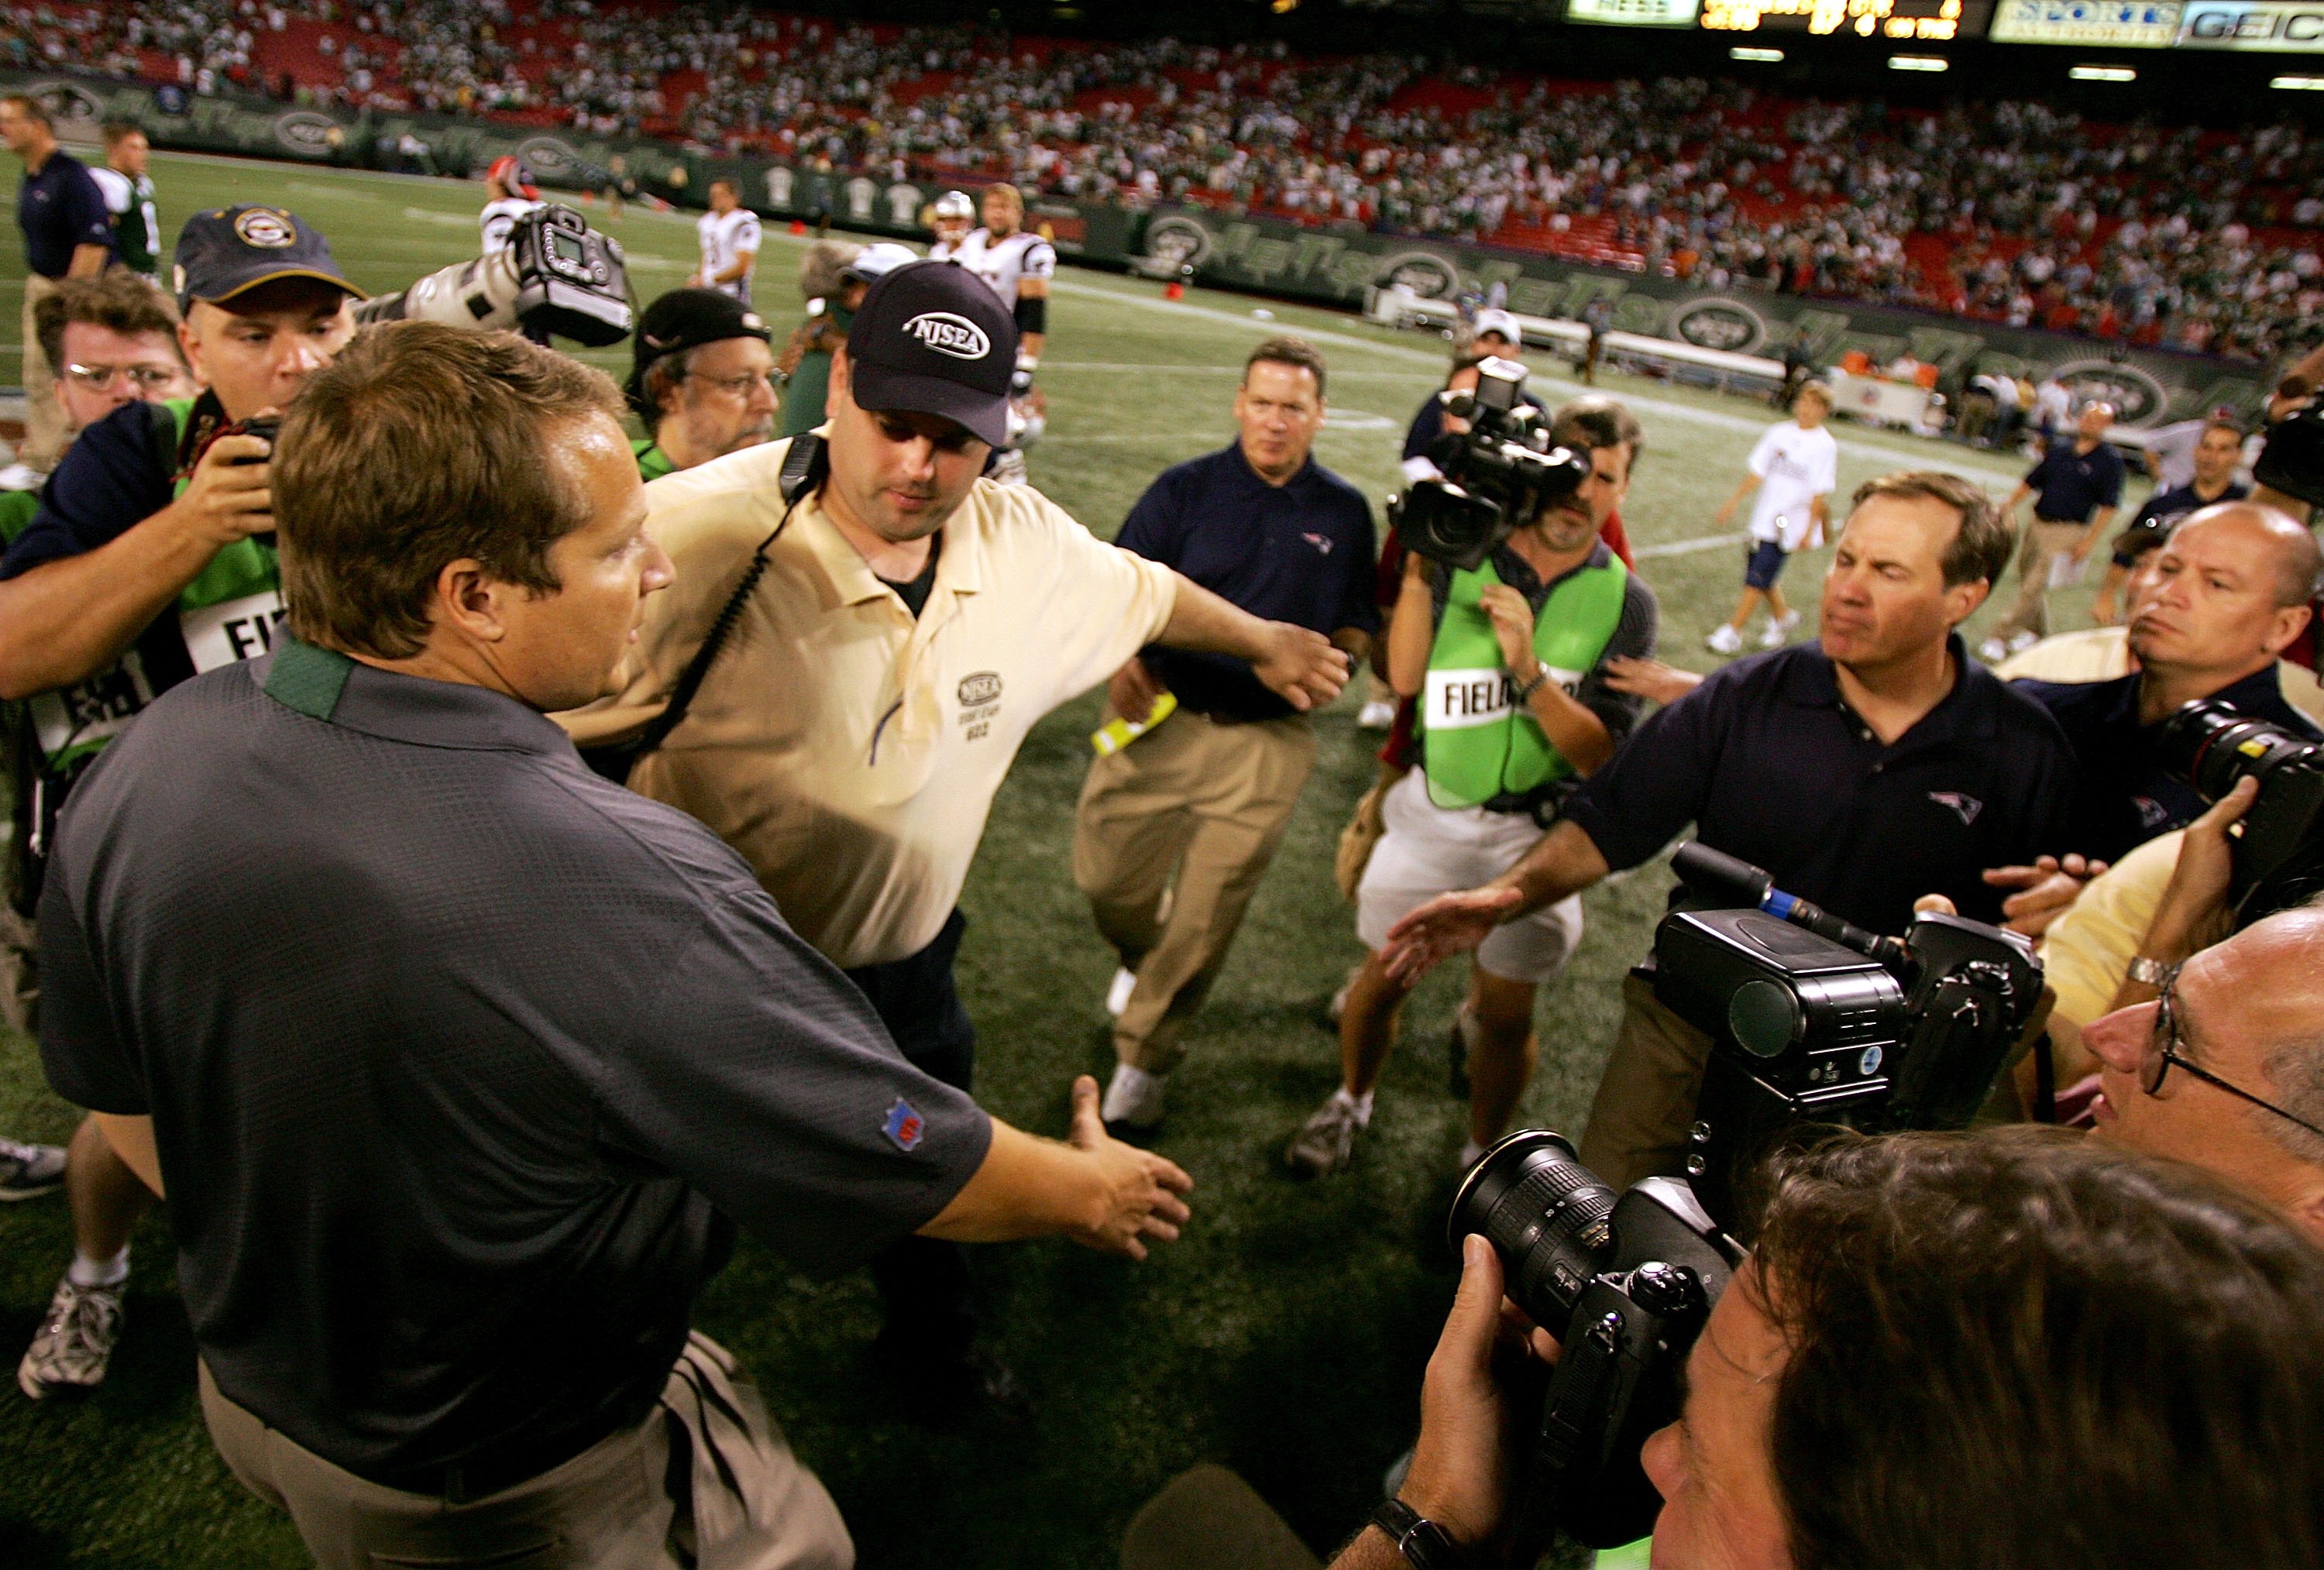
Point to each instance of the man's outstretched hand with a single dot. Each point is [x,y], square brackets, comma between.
[1451,924]
[1302,667]
[2045,891]
[1143,1192]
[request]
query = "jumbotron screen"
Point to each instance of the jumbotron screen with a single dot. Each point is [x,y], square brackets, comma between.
[1903,21]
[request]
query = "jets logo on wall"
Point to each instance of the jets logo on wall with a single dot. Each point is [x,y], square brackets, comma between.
[1424,273]
[1719,324]
[71,107]
[547,158]
[2137,398]
[304,132]
[1180,242]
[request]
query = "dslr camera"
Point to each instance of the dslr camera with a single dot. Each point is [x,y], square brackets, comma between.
[557,275]
[1497,475]
[2279,856]
[1813,1021]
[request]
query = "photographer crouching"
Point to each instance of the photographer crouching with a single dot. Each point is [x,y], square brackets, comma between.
[1945,1352]
[445,1176]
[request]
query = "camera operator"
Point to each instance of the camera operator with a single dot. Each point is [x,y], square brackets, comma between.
[138,571]
[447,1177]
[702,381]
[1511,659]
[1176,828]
[1947,1353]
[2215,454]
[1863,770]
[2225,597]
[897,625]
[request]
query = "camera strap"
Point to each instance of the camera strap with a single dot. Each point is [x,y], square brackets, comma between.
[804,465]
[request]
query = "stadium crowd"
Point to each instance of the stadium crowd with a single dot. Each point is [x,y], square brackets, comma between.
[425,641]
[2015,212]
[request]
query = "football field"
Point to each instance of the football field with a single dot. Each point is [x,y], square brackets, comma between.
[1285,1335]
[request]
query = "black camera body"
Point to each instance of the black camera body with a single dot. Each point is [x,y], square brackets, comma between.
[1813,1022]
[574,281]
[1498,475]
[2279,856]
[2292,462]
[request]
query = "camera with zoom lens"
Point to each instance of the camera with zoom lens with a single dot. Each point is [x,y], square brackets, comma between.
[1497,475]
[556,275]
[2278,853]
[1813,1022]
[2292,462]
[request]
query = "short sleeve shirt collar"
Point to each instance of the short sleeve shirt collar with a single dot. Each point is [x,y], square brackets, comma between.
[325,684]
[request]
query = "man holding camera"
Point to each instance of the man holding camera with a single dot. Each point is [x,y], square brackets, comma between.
[1946,1353]
[1509,664]
[446,1177]
[1863,770]
[884,627]
[142,567]
[1176,826]
[702,381]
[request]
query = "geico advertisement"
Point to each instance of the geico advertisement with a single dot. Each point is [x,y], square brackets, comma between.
[2285,28]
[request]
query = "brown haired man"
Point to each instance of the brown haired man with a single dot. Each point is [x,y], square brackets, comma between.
[1863,770]
[446,1178]
[1175,830]
[67,233]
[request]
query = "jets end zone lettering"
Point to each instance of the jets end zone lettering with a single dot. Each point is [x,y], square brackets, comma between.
[1456,700]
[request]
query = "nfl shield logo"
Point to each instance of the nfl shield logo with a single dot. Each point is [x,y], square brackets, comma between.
[903,1126]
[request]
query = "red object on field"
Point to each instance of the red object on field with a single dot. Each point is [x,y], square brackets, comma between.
[798,226]
[1173,289]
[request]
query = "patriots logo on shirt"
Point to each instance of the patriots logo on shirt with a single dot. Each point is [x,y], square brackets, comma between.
[903,1126]
[1968,807]
[2152,813]
[1322,542]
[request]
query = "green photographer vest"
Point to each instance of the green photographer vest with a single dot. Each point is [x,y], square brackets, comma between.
[1481,744]
[652,461]
[228,613]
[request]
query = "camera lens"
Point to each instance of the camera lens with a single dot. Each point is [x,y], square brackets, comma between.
[1546,1215]
[2212,745]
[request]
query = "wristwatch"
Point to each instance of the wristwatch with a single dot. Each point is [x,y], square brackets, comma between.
[2148,972]
[1424,1545]
[1525,689]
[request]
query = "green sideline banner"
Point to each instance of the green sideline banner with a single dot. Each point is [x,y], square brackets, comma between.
[1340,267]
[1268,256]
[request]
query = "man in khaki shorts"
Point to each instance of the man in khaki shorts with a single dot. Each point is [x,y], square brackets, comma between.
[1176,829]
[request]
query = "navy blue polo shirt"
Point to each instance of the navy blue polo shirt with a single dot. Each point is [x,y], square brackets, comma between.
[60,209]
[1769,764]
[2128,794]
[1300,551]
[2070,485]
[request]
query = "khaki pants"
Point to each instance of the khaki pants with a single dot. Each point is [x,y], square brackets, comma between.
[2044,541]
[1646,1099]
[45,420]
[1172,836]
[753,1506]
[20,973]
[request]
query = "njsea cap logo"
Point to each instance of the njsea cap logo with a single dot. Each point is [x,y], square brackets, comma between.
[951,334]
[266,228]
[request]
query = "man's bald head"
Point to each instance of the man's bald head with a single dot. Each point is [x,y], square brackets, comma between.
[2283,958]
[2227,595]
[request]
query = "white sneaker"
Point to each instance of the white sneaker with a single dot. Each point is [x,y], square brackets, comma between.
[1117,994]
[1724,640]
[1993,651]
[1379,714]
[1134,1096]
[1328,1137]
[1779,630]
[2023,641]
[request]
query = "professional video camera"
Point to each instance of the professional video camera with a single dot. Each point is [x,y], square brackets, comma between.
[557,275]
[2279,855]
[1498,475]
[1813,1022]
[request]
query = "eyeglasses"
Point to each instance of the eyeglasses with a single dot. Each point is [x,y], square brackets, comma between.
[145,378]
[2164,1053]
[742,386]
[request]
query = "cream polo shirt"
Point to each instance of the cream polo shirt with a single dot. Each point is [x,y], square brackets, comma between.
[847,750]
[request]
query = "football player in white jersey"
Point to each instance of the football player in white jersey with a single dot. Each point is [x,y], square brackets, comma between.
[952,217]
[1018,265]
[730,242]
[511,195]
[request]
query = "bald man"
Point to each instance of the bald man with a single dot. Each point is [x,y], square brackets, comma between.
[2228,594]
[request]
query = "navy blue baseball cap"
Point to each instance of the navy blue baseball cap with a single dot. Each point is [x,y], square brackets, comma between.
[933,338]
[226,251]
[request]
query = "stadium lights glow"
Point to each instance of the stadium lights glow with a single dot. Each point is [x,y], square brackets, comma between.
[2299,84]
[1758,54]
[2103,74]
[1919,62]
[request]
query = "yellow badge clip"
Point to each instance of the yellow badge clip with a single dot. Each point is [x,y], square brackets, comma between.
[1120,733]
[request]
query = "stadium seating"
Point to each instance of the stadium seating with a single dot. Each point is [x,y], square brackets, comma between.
[2183,237]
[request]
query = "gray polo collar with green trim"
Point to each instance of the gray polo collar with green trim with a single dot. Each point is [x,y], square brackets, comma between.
[325,684]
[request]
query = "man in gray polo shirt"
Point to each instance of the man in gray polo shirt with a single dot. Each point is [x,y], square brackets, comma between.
[458,1064]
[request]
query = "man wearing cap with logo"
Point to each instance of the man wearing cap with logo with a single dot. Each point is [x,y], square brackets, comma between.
[703,380]
[151,559]
[883,629]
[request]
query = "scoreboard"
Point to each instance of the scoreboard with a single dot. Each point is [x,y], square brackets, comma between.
[1913,21]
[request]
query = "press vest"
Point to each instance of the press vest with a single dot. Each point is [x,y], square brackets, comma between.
[1482,744]
[228,613]
[652,461]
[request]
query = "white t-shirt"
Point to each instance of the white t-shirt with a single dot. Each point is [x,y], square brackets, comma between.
[725,238]
[1795,465]
[499,217]
[1002,264]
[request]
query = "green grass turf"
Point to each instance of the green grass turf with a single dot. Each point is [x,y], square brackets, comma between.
[1284,1335]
